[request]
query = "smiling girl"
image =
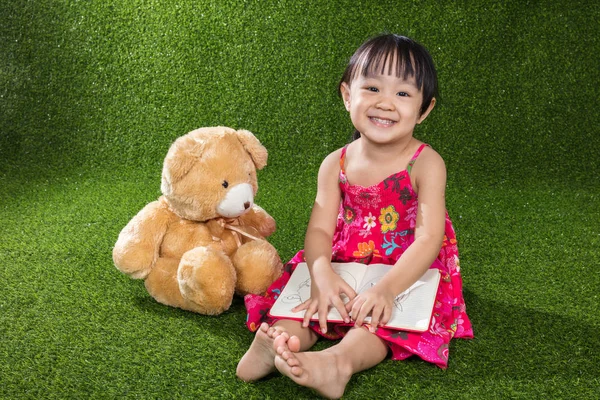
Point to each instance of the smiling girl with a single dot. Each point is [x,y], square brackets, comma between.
[380,199]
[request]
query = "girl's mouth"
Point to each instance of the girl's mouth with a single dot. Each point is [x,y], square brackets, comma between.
[382,121]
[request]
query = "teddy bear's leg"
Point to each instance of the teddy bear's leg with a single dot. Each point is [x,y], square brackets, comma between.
[162,283]
[206,280]
[257,265]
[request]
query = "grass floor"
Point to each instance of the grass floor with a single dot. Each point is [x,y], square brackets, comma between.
[93,93]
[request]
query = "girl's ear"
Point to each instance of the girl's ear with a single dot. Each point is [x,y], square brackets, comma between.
[426,113]
[345,91]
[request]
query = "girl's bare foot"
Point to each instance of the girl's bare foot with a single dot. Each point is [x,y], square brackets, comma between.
[258,361]
[322,371]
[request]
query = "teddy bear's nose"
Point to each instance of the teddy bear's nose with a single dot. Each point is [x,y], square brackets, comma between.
[246,205]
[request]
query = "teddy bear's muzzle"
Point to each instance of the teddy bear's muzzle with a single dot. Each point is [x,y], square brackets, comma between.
[238,200]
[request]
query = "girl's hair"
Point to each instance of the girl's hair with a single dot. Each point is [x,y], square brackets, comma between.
[412,60]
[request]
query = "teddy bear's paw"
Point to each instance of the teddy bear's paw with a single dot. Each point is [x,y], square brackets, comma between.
[257,265]
[206,280]
[260,220]
[131,261]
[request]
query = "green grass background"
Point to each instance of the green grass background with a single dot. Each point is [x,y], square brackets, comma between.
[92,93]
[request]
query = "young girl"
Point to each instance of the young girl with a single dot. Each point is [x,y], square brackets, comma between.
[380,199]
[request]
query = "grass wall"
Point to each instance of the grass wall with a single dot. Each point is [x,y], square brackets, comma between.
[92,93]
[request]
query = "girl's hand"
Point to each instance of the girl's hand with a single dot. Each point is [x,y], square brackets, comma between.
[375,301]
[326,290]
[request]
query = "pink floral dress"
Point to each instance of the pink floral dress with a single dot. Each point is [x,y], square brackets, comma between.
[376,224]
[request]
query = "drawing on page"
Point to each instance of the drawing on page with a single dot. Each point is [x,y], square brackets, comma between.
[399,300]
[301,293]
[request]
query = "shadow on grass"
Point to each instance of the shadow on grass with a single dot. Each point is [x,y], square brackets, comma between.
[217,325]
[518,343]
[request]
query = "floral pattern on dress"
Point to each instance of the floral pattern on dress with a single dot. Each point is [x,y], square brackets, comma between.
[365,197]
[365,249]
[388,219]
[370,222]
[376,224]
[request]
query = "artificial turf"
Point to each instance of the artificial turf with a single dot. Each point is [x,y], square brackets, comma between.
[93,93]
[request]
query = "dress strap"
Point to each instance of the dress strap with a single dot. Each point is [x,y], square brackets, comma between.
[343,158]
[414,158]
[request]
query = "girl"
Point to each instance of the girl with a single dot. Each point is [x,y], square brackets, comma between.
[380,199]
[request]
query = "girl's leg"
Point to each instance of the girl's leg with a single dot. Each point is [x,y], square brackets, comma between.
[258,361]
[329,371]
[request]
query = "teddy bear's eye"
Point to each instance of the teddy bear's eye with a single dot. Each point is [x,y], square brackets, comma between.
[225,184]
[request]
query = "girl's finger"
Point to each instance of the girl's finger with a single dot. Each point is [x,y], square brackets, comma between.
[347,290]
[310,311]
[339,305]
[302,307]
[350,304]
[376,314]
[323,309]
[387,314]
[359,312]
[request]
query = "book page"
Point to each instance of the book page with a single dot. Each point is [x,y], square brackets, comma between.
[413,307]
[372,275]
[297,290]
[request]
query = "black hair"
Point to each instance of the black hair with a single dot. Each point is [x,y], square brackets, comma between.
[412,60]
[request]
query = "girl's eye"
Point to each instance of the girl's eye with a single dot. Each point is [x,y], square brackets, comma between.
[372,89]
[225,184]
[402,94]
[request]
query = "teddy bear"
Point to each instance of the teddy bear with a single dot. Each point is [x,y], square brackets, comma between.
[203,240]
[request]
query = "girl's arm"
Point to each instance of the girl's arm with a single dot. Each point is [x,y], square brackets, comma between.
[327,286]
[429,177]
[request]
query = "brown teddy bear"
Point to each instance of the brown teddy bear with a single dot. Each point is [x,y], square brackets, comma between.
[203,239]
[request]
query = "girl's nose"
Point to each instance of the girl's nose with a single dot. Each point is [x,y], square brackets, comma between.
[385,104]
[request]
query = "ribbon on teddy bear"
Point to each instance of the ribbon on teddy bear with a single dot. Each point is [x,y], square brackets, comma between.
[232,225]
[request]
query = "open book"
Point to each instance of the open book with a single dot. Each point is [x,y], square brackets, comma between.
[412,308]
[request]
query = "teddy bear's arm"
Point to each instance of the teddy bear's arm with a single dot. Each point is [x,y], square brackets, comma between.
[260,220]
[138,245]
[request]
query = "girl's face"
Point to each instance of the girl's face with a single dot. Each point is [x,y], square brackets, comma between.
[384,108]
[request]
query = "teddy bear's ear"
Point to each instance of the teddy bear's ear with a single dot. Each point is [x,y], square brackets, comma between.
[180,159]
[256,150]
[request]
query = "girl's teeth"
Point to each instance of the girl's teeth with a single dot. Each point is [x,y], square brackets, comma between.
[383,121]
